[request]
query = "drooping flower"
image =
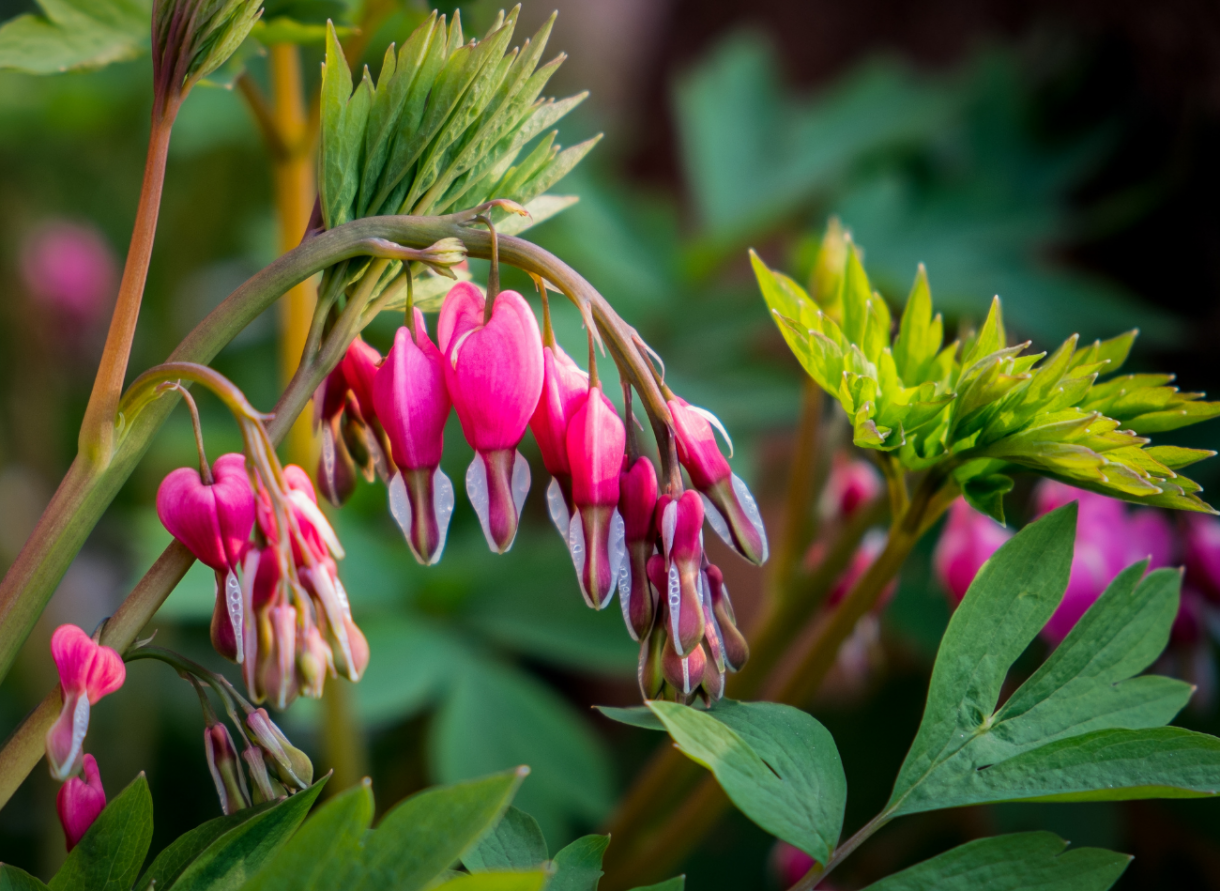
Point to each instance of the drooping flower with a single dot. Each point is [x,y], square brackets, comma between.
[732,641]
[494,372]
[359,366]
[967,542]
[87,672]
[637,504]
[79,802]
[351,434]
[732,512]
[564,386]
[412,404]
[851,484]
[225,767]
[680,526]
[596,442]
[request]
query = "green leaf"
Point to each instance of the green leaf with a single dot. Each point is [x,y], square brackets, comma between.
[325,849]
[422,837]
[179,854]
[14,879]
[578,867]
[986,494]
[636,716]
[238,854]
[109,856]
[498,881]
[777,764]
[73,34]
[515,843]
[1012,863]
[677,883]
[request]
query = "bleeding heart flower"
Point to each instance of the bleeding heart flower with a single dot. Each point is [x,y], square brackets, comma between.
[596,442]
[359,366]
[80,801]
[412,405]
[967,542]
[87,672]
[637,504]
[679,523]
[564,386]
[732,511]
[493,371]
[213,520]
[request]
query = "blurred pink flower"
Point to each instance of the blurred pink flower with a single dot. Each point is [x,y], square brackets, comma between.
[851,485]
[967,542]
[70,269]
[1201,540]
[789,864]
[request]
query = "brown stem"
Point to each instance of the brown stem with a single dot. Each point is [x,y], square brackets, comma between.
[802,491]
[97,432]
[205,472]
[493,274]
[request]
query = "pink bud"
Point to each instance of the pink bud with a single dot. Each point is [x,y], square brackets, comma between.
[277,656]
[214,521]
[684,673]
[637,504]
[292,765]
[967,542]
[330,398]
[225,767]
[596,441]
[1201,539]
[80,801]
[680,522]
[359,366]
[315,661]
[851,485]
[563,391]
[70,269]
[412,405]
[732,641]
[733,513]
[87,672]
[494,375]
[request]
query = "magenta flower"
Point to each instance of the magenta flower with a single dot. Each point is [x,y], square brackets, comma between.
[731,641]
[564,386]
[412,404]
[596,443]
[80,801]
[1201,541]
[967,542]
[359,366]
[680,525]
[494,374]
[789,864]
[851,485]
[732,511]
[1151,537]
[70,269]
[87,672]
[637,505]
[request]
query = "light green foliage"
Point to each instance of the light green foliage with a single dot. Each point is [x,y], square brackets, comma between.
[778,765]
[981,409]
[442,127]
[515,843]
[72,34]
[1083,727]
[497,881]
[1012,863]
[109,856]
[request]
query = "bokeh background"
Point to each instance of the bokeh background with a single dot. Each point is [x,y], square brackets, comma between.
[1060,154]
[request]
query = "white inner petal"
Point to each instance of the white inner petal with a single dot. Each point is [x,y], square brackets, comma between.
[624,596]
[302,502]
[233,603]
[381,464]
[442,501]
[576,545]
[557,507]
[521,480]
[669,525]
[618,551]
[400,506]
[686,676]
[80,726]
[328,455]
[750,506]
[715,422]
[476,491]
[675,607]
[716,521]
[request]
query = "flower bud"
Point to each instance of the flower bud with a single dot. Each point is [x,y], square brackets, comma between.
[733,514]
[649,674]
[732,642]
[225,767]
[359,365]
[680,522]
[711,686]
[851,485]
[264,787]
[412,404]
[564,386]
[494,375]
[87,672]
[314,662]
[277,660]
[336,467]
[967,542]
[292,765]
[596,441]
[80,801]
[637,504]
[683,673]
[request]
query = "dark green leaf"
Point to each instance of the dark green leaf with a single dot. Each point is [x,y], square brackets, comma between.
[179,854]
[1012,863]
[777,764]
[986,494]
[636,716]
[423,836]
[325,849]
[498,881]
[14,879]
[515,843]
[578,867]
[109,856]
[238,854]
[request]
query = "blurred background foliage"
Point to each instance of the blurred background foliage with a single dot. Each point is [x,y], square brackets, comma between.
[1053,156]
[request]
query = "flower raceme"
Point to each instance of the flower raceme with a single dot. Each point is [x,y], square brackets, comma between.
[87,672]
[79,802]
[412,402]
[637,504]
[564,385]
[493,370]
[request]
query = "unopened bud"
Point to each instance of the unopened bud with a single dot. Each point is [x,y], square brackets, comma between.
[292,765]
[225,768]
[265,786]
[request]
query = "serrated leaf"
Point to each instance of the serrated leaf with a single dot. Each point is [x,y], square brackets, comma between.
[109,856]
[515,843]
[1012,863]
[777,764]
[578,867]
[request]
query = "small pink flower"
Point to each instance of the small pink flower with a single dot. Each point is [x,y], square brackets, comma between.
[596,441]
[79,802]
[733,512]
[564,386]
[494,374]
[87,672]
[359,366]
[679,524]
[851,485]
[637,505]
[967,542]
[70,269]
[213,521]
[412,404]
